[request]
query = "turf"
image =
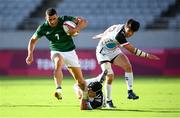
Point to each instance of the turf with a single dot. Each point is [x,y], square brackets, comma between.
[33,98]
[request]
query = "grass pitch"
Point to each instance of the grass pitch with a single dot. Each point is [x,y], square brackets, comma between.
[33,98]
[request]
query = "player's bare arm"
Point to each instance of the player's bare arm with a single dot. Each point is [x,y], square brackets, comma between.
[81,24]
[139,52]
[32,43]
[85,105]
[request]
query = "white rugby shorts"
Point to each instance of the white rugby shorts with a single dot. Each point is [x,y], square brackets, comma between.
[108,56]
[70,58]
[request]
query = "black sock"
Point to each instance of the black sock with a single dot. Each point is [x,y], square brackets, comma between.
[130,91]
[59,87]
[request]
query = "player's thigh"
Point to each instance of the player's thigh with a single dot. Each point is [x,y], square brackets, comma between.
[57,58]
[71,59]
[100,57]
[122,61]
[72,63]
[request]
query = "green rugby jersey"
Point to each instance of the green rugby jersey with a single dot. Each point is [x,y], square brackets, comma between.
[58,39]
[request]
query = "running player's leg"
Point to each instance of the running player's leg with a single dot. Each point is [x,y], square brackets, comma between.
[58,75]
[78,76]
[104,60]
[108,84]
[72,63]
[122,61]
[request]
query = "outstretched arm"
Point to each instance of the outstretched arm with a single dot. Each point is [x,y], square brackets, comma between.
[98,36]
[140,53]
[31,46]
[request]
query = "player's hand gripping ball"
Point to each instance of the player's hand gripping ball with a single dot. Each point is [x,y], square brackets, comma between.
[67,26]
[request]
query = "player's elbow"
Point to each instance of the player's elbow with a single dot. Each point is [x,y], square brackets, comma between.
[33,41]
[82,23]
[85,22]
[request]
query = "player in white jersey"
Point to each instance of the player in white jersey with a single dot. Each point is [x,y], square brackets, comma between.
[108,52]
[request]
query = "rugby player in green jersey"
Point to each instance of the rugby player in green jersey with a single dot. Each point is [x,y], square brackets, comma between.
[62,47]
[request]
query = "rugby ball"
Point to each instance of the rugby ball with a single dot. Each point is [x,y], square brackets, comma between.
[67,25]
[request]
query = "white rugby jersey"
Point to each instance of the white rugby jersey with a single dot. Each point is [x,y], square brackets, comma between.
[111,39]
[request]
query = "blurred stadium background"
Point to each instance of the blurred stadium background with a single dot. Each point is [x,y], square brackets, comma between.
[159,34]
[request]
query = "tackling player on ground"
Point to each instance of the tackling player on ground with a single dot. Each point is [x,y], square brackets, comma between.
[62,47]
[95,95]
[108,52]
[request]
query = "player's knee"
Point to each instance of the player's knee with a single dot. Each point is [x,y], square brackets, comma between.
[110,71]
[110,78]
[107,66]
[58,64]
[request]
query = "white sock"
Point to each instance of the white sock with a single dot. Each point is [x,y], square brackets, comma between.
[129,80]
[85,93]
[108,89]
[95,79]
[76,89]
[59,90]
[98,78]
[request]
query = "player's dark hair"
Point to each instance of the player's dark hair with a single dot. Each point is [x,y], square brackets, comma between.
[51,12]
[133,25]
[95,86]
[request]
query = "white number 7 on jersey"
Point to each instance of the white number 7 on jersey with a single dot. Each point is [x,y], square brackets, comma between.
[57,35]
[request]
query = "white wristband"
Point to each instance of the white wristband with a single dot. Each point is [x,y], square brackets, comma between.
[140,53]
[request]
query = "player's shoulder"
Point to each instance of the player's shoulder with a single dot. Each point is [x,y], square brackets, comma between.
[114,28]
[43,24]
[120,26]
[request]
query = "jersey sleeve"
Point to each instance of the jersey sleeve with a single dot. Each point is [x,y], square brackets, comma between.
[121,39]
[38,32]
